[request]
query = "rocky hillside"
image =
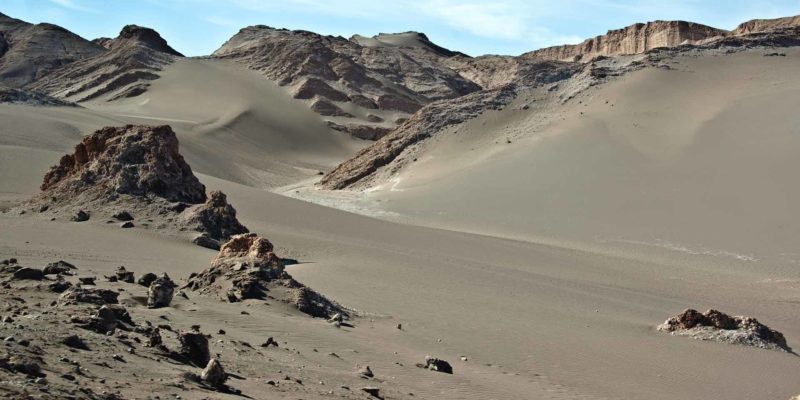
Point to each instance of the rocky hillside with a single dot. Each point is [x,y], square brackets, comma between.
[123,69]
[504,77]
[364,86]
[28,51]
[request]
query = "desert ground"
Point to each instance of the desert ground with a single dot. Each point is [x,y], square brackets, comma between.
[535,250]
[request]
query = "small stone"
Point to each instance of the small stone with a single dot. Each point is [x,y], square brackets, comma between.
[59,267]
[126,224]
[75,342]
[365,371]
[123,216]
[88,280]
[372,391]
[435,364]
[270,342]
[124,275]
[203,240]
[80,216]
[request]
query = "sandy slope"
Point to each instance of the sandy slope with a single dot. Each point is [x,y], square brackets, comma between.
[536,321]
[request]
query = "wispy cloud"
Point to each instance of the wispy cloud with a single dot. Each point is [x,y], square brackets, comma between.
[73,6]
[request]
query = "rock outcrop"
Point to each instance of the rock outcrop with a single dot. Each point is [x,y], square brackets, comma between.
[160,292]
[634,39]
[718,326]
[137,168]
[135,160]
[247,268]
[216,218]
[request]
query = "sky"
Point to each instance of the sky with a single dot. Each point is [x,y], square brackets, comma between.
[475,27]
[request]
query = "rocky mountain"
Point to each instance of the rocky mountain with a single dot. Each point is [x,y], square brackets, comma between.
[123,69]
[363,86]
[28,51]
[567,69]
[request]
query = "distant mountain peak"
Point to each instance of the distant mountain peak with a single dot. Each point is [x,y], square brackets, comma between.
[402,39]
[140,35]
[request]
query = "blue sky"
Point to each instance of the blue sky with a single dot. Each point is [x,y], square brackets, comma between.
[198,27]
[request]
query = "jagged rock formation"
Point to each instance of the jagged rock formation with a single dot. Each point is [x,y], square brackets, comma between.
[634,39]
[28,51]
[718,326]
[137,168]
[122,70]
[247,268]
[396,74]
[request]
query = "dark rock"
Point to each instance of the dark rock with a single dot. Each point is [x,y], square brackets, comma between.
[124,275]
[373,391]
[75,342]
[194,346]
[203,240]
[80,216]
[270,342]
[126,224]
[26,365]
[59,267]
[123,216]
[435,364]
[147,279]
[26,273]
[160,292]
[87,280]
[59,286]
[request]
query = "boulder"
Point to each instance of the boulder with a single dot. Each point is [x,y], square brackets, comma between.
[146,279]
[203,240]
[160,292]
[213,374]
[124,275]
[435,364]
[126,225]
[194,346]
[88,295]
[80,216]
[26,273]
[59,267]
[718,326]
[123,216]
[216,218]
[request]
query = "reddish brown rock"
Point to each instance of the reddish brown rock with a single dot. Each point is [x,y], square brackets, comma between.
[718,326]
[135,159]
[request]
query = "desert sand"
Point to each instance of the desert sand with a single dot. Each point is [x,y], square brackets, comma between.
[544,251]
